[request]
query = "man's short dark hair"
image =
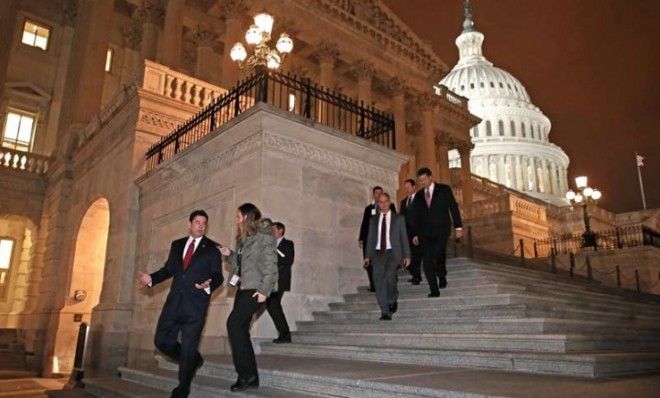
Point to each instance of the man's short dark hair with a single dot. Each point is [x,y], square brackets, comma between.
[385,194]
[410,181]
[280,226]
[198,213]
[424,171]
[377,187]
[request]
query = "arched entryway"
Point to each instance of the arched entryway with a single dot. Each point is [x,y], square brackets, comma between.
[86,280]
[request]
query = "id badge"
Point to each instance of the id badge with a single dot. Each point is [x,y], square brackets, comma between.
[234,280]
[373,212]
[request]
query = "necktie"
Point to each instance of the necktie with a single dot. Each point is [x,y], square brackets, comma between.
[189,253]
[428,197]
[409,201]
[383,234]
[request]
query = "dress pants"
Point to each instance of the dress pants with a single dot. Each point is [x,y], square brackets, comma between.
[181,315]
[238,329]
[369,269]
[434,257]
[385,270]
[415,267]
[274,307]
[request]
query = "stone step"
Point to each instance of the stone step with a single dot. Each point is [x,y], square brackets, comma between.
[422,291]
[336,378]
[589,365]
[158,382]
[504,325]
[426,302]
[549,343]
[12,360]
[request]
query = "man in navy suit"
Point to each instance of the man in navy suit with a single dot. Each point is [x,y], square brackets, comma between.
[434,211]
[195,264]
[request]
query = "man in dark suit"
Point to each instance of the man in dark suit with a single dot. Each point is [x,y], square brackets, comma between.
[434,211]
[195,264]
[405,209]
[387,247]
[285,254]
[369,211]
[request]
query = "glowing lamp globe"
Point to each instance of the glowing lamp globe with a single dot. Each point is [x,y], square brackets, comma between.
[596,194]
[570,195]
[238,53]
[284,44]
[253,35]
[581,182]
[264,22]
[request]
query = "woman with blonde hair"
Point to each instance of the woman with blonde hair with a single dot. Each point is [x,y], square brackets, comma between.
[253,264]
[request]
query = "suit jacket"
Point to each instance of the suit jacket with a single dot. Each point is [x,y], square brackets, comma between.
[284,264]
[398,237]
[406,212]
[258,262]
[206,264]
[364,227]
[436,220]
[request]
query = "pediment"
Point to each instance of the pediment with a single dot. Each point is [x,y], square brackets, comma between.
[27,90]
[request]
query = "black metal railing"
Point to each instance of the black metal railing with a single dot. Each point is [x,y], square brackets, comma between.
[611,239]
[287,92]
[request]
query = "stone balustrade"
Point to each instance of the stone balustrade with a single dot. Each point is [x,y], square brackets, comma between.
[452,97]
[164,81]
[25,161]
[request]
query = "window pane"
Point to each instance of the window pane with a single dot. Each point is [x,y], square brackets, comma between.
[11,127]
[41,42]
[6,247]
[108,60]
[25,131]
[28,38]
[35,35]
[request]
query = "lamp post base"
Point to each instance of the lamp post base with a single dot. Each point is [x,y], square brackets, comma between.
[589,239]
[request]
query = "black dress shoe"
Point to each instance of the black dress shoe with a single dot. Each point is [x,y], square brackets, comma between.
[394,306]
[200,362]
[283,339]
[240,385]
[415,281]
[385,317]
[442,284]
[180,392]
[372,290]
[433,295]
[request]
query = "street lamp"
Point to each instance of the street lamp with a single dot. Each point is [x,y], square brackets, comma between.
[258,35]
[586,196]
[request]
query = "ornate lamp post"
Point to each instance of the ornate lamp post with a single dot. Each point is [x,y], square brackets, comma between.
[258,35]
[586,196]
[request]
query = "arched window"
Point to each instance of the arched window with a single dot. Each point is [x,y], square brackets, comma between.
[513,128]
[500,127]
[489,130]
[531,129]
[523,131]
[475,131]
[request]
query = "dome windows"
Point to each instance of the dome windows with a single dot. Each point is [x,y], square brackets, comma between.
[500,127]
[513,128]
[523,131]
[489,130]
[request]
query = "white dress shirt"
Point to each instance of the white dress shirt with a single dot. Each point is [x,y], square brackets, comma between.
[388,217]
[191,240]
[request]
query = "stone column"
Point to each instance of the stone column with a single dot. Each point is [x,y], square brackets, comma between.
[397,90]
[206,58]
[173,34]
[556,188]
[533,174]
[83,91]
[519,173]
[466,177]
[443,142]
[150,13]
[132,38]
[364,72]
[544,176]
[327,55]
[501,170]
[427,150]
[233,11]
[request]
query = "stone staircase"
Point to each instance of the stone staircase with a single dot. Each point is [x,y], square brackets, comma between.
[491,318]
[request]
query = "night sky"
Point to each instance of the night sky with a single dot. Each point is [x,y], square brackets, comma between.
[592,66]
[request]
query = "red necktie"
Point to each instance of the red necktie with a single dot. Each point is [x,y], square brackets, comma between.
[189,253]
[383,233]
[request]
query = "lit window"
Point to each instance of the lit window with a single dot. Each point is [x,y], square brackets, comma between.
[35,35]
[6,248]
[19,131]
[108,60]
[292,102]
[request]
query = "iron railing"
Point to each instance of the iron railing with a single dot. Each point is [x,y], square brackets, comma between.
[611,239]
[287,92]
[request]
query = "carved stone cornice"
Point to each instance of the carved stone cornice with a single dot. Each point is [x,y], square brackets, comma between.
[233,8]
[151,11]
[327,52]
[363,70]
[132,36]
[372,19]
[464,147]
[397,85]
[426,101]
[204,36]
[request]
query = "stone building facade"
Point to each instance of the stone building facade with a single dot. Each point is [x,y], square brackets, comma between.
[96,83]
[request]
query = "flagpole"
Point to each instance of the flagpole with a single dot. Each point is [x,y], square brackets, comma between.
[641,184]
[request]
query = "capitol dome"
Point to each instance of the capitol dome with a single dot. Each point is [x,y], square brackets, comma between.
[511,142]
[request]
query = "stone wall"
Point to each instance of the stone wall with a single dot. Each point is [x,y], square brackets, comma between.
[313,179]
